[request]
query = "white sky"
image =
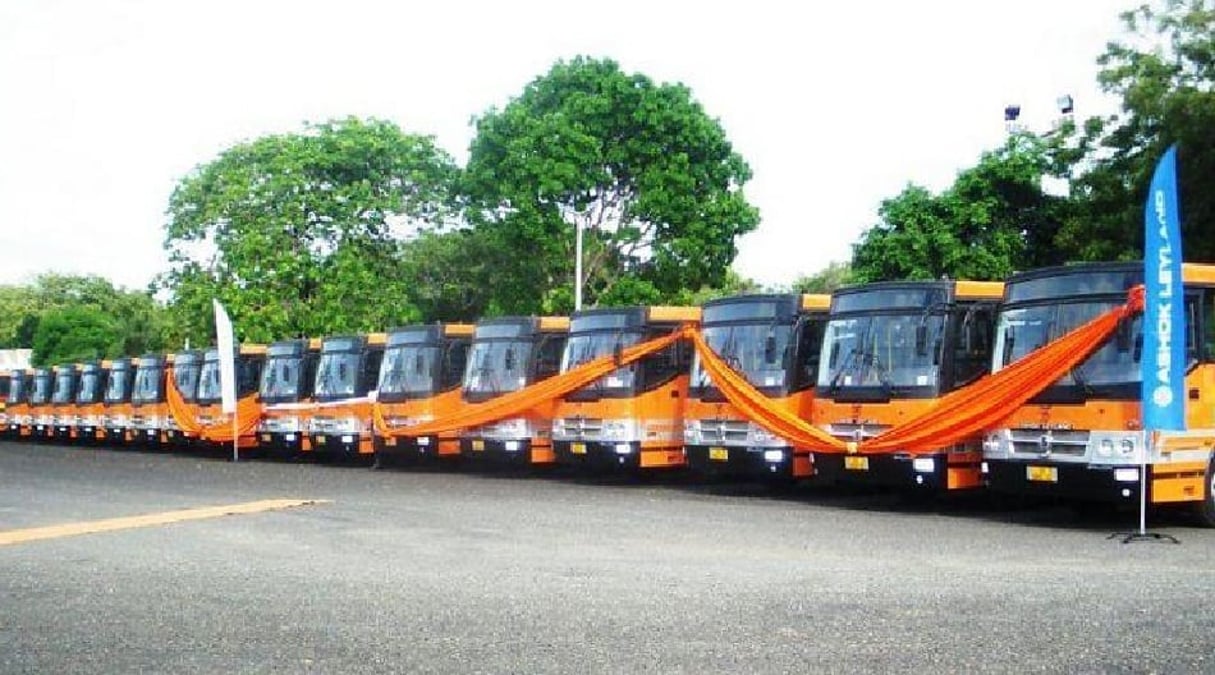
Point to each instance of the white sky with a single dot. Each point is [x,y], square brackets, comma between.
[105,104]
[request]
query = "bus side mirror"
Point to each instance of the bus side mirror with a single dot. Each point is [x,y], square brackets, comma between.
[770,349]
[921,340]
[834,355]
[1010,341]
[417,363]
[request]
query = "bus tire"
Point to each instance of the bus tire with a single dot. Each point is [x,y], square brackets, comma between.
[1206,508]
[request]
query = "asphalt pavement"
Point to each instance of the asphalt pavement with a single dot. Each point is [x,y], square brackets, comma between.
[458,571]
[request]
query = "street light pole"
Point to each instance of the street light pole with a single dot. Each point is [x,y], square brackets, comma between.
[577,266]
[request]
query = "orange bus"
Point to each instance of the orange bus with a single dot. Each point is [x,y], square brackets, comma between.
[1082,437]
[247,362]
[187,366]
[63,403]
[632,417]
[508,354]
[286,395]
[890,350]
[89,393]
[41,415]
[17,408]
[150,417]
[774,341]
[345,376]
[114,427]
[419,382]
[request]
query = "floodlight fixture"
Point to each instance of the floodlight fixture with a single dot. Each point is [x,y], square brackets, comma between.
[1066,104]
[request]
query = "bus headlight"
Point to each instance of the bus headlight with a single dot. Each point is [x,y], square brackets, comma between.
[1105,448]
[691,432]
[761,437]
[1126,447]
[620,430]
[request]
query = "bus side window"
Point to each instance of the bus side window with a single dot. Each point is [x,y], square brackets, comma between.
[972,348]
[371,371]
[1207,316]
[453,366]
[548,356]
[809,352]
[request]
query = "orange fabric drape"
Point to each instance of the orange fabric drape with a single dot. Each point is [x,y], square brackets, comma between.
[759,408]
[182,414]
[957,416]
[518,402]
[248,414]
[980,406]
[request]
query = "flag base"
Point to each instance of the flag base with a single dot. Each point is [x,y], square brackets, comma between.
[1151,537]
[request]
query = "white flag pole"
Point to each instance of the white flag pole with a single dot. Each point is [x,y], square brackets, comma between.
[226,346]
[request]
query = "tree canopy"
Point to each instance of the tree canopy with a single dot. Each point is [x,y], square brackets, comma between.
[299,234]
[649,176]
[1163,70]
[994,219]
[74,317]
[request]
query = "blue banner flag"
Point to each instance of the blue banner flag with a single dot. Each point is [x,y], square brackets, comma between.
[1163,363]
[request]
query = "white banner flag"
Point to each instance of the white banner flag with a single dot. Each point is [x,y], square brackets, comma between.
[227,354]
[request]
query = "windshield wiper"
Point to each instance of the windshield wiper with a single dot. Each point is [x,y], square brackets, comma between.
[1081,379]
[834,385]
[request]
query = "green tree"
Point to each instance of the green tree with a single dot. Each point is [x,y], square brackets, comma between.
[135,314]
[300,234]
[826,280]
[994,219]
[733,284]
[647,174]
[75,333]
[1164,72]
[449,274]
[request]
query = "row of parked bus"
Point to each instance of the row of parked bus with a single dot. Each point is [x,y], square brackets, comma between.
[854,363]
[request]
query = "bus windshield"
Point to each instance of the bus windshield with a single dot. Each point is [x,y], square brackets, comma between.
[580,349]
[185,376]
[409,369]
[498,366]
[41,392]
[757,351]
[281,378]
[208,381]
[882,350]
[90,387]
[64,382]
[1021,331]
[337,374]
[116,387]
[16,389]
[147,384]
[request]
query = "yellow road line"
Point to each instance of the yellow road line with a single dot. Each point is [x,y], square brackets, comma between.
[149,520]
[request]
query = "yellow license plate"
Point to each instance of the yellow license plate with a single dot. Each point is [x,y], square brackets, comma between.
[578,448]
[478,446]
[719,454]
[856,463]
[265,438]
[1042,474]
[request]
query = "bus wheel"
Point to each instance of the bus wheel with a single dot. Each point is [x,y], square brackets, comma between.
[1206,508]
